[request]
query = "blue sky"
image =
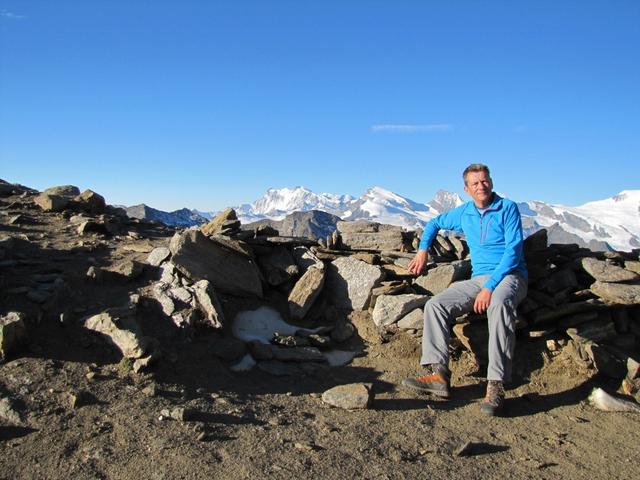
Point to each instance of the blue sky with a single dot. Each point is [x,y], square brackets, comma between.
[206,104]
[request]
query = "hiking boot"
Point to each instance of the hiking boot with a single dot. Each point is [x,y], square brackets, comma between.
[494,399]
[435,381]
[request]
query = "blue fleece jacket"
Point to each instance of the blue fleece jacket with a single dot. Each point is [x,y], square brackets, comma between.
[494,237]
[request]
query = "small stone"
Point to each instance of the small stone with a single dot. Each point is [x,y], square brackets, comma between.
[350,397]
[182,414]
[90,376]
[465,450]
[150,390]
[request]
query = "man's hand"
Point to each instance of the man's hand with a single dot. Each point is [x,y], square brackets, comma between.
[482,301]
[416,266]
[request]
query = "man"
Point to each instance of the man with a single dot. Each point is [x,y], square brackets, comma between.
[493,230]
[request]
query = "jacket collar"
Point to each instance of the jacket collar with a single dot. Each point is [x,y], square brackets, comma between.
[496,204]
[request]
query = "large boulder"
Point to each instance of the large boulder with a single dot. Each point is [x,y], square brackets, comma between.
[91,201]
[69,191]
[200,258]
[305,292]
[350,281]
[51,203]
[391,308]
[438,279]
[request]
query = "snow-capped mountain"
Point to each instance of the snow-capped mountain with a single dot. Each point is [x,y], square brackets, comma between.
[278,203]
[614,221]
[376,204]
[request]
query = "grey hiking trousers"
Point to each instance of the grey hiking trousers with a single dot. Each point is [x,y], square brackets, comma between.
[457,300]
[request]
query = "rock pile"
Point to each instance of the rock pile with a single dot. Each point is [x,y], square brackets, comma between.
[220,277]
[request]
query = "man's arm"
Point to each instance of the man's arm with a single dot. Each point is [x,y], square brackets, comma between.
[449,221]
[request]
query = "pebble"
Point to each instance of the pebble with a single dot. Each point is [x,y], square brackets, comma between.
[350,397]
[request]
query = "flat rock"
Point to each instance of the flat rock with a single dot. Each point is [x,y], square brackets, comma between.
[13,333]
[391,308]
[475,338]
[305,292]
[617,293]
[202,259]
[63,190]
[605,272]
[414,320]
[229,348]
[121,329]
[438,279]
[632,265]
[350,281]
[158,255]
[350,397]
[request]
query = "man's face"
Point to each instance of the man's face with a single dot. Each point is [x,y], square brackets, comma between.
[479,187]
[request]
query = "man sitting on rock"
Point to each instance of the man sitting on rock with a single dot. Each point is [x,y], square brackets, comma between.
[493,230]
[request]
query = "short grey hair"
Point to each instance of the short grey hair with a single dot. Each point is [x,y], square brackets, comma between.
[475,167]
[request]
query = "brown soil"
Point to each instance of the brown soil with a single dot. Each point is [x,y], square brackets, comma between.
[252,425]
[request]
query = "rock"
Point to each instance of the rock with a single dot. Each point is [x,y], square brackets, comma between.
[95,273]
[342,332]
[387,288]
[165,301]
[181,294]
[279,369]
[122,330]
[182,414]
[606,272]
[598,331]
[63,190]
[229,348]
[298,354]
[438,279]
[90,201]
[219,222]
[350,397]
[475,338]
[278,265]
[90,226]
[391,308]
[305,258]
[208,303]
[129,269]
[414,320]
[202,259]
[633,369]
[150,390]
[158,255]
[604,361]
[305,292]
[632,266]
[51,203]
[13,333]
[350,281]
[384,240]
[617,293]
[8,411]
[77,399]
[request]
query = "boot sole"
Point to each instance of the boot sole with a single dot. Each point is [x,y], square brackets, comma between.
[421,389]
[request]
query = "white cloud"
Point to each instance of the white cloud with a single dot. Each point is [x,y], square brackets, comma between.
[412,128]
[8,14]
